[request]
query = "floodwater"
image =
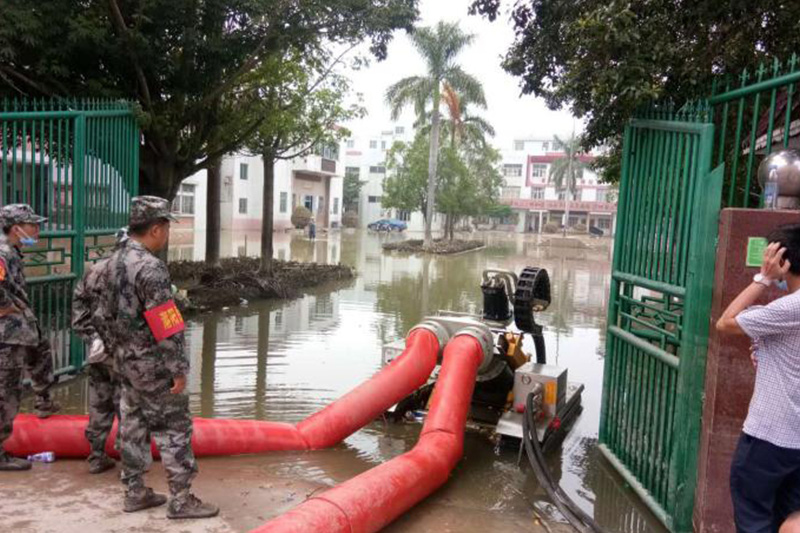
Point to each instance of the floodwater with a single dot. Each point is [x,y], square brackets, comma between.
[283,361]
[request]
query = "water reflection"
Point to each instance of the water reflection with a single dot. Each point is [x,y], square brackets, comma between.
[284,360]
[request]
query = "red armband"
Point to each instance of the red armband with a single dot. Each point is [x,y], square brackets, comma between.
[164,320]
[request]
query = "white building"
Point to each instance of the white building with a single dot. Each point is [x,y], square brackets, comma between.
[536,201]
[314,181]
[365,158]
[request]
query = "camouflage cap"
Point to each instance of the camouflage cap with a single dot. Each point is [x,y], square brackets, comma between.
[19,214]
[145,209]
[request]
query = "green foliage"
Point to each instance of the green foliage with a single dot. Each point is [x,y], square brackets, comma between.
[301,217]
[605,59]
[439,47]
[300,100]
[350,219]
[565,171]
[499,211]
[351,191]
[184,61]
[580,228]
[468,181]
[406,184]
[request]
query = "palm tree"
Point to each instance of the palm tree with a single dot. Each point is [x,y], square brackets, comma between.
[461,126]
[439,46]
[566,170]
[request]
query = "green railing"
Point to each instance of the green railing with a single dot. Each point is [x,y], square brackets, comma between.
[658,310]
[75,162]
[756,113]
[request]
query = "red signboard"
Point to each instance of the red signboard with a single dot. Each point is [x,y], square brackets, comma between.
[559,205]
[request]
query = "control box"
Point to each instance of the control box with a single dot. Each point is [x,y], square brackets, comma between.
[553,381]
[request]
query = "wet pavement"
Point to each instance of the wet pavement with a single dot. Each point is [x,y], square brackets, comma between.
[283,361]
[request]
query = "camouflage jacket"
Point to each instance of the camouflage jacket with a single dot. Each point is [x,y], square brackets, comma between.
[19,327]
[138,281]
[85,304]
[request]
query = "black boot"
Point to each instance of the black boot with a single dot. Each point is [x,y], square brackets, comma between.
[146,499]
[12,464]
[191,507]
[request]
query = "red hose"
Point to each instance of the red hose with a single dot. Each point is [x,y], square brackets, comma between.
[373,499]
[64,434]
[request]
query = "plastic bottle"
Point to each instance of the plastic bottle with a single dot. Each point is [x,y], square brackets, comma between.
[771,190]
[43,457]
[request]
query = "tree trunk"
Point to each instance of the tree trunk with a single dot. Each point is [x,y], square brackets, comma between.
[159,176]
[208,365]
[433,159]
[213,217]
[268,158]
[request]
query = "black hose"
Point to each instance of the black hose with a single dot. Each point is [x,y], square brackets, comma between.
[577,518]
[539,345]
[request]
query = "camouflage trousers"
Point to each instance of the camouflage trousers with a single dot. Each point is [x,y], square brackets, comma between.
[37,362]
[104,392]
[166,417]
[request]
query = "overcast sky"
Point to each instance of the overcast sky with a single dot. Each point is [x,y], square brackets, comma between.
[512,115]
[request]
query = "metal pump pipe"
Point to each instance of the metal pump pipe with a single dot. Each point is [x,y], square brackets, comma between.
[372,500]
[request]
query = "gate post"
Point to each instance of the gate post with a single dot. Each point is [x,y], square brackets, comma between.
[78,227]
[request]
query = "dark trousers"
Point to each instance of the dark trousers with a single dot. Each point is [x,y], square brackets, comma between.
[765,485]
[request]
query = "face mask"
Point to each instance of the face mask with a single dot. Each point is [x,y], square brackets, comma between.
[782,285]
[26,240]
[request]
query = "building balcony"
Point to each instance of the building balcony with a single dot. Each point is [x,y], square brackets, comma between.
[559,205]
[315,164]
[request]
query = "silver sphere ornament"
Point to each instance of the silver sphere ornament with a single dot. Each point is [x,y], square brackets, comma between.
[786,164]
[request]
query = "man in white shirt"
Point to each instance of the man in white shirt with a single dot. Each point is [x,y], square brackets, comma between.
[765,473]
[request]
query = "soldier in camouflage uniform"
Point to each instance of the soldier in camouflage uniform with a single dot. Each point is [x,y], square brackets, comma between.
[104,386]
[146,335]
[22,345]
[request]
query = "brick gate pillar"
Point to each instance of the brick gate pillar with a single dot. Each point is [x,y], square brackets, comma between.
[729,373]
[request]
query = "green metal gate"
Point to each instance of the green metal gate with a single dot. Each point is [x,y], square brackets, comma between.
[661,289]
[75,162]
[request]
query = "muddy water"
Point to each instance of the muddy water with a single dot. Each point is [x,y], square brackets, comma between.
[283,361]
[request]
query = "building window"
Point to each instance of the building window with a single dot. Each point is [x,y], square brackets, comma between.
[512,170]
[374,199]
[603,222]
[601,195]
[377,170]
[562,195]
[242,206]
[335,206]
[351,143]
[404,215]
[537,194]
[373,144]
[546,146]
[519,146]
[399,130]
[243,171]
[308,202]
[383,145]
[184,201]
[284,201]
[510,192]
[352,172]
[538,170]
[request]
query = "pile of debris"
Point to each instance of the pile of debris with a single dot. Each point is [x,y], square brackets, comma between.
[438,246]
[238,280]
